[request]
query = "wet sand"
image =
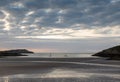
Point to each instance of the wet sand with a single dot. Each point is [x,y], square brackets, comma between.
[20,69]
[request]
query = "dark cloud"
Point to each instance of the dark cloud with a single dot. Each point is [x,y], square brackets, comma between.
[89,12]
[4,2]
[37,4]
[63,4]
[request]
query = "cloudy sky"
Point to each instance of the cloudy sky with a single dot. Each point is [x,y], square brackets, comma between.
[59,25]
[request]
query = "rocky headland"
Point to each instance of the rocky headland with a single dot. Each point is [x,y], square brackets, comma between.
[110,53]
[17,52]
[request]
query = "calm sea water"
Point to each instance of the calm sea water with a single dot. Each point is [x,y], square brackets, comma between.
[60,55]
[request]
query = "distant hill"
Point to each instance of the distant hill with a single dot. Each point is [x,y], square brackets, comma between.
[17,52]
[111,53]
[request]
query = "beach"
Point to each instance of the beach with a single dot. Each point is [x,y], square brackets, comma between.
[34,69]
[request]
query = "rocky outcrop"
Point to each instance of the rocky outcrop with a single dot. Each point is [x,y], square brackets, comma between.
[111,53]
[17,52]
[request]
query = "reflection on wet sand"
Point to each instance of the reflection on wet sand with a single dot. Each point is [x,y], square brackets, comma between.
[84,70]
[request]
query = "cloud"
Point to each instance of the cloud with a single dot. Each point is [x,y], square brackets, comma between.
[29,15]
[63,13]
[4,3]
[36,20]
[68,33]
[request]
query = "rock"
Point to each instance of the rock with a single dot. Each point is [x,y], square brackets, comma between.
[111,53]
[17,52]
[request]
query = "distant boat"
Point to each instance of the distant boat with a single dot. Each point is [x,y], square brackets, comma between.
[65,55]
[50,54]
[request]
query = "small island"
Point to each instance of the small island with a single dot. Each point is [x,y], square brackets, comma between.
[17,52]
[111,53]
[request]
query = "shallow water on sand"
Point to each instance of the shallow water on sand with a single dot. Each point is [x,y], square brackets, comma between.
[70,77]
[56,80]
[59,70]
[58,74]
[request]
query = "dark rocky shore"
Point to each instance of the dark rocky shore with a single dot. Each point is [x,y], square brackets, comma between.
[17,52]
[111,53]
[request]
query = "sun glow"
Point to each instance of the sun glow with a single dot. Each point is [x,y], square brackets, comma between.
[45,37]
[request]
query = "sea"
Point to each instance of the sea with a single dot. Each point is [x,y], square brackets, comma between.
[59,55]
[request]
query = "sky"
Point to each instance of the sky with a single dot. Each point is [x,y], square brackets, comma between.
[74,26]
